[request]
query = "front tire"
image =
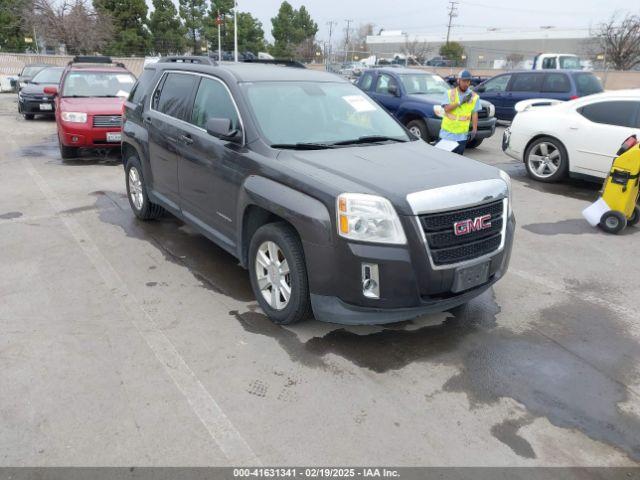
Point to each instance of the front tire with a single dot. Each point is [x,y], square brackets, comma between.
[142,207]
[278,273]
[419,129]
[67,153]
[546,160]
[613,222]
[28,116]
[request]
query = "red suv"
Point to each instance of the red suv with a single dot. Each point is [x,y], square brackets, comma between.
[88,104]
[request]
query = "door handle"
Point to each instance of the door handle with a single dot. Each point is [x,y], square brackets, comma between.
[573,127]
[186,139]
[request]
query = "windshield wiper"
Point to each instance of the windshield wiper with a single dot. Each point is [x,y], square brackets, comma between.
[106,96]
[370,139]
[302,146]
[75,96]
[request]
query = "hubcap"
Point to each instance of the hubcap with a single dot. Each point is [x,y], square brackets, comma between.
[544,160]
[612,222]
[416,131]
[135,188]
[272,273]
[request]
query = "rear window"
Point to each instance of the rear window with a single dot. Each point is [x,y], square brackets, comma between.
[174,94]
[142,86]
[526,82]
[587,84]
[556,83]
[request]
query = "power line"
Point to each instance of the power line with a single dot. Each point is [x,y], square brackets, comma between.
[453,12]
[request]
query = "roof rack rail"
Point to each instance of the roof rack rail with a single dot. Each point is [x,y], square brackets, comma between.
[94,60]
[287,62]
[188,59]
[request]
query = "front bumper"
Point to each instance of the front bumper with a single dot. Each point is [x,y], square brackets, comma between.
[33,106]
[409,285]
[84,135]
[486,127]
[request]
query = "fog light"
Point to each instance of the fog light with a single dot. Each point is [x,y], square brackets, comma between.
[74,139]
[370,280]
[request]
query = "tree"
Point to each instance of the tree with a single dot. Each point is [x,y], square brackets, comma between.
[514,60]
[291,29]
[416,50]
[193,13]
[128,17]
[250,32]
[452,51]
[167,31]
[74,24]
[621,43]
[12,27]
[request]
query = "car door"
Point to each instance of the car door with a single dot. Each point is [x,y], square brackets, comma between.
[598,131]
[523,86]
[165,124]
[381,92]
[494,90]
[211,169]
[556,85]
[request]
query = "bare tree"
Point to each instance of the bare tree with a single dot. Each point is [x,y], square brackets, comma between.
[620,42]
[514,60]
[72,23]
[416,50]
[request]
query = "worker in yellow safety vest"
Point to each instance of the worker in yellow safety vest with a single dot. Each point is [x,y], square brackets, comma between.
[460,110]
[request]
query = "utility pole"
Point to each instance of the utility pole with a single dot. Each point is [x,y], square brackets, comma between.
[346,43]
[330,23]
[453,12]
[235,30]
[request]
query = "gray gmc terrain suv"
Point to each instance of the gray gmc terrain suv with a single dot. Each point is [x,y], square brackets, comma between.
[331,204]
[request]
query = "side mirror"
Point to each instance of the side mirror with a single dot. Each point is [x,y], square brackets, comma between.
[393,89]
[51,90]
[221,128]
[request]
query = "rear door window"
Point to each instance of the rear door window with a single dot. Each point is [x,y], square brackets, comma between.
[621,113]
[587,84]
[174,94]
[556,83]
[526,82]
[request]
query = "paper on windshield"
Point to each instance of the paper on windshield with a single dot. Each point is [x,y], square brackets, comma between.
[359,103]
[122,93]
[124,78]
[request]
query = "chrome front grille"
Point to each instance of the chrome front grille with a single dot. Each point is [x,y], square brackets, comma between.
[106,121]
[447,248]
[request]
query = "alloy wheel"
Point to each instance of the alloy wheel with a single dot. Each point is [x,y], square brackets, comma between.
[416,131]
[544,160]
[135,188]
[273,275]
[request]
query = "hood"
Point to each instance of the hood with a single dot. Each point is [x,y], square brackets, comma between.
[391,170]
[33,89]
[92,105]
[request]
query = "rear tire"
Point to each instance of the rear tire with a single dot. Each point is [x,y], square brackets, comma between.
[474,143]
[278,270]
[635,216]
[28,116]
[419,129]
[546,160]
[142,207]
[613,222]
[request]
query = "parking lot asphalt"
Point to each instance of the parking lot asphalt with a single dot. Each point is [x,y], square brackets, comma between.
[128,343]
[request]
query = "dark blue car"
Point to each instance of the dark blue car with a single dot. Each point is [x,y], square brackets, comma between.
[507,89]
[410,95]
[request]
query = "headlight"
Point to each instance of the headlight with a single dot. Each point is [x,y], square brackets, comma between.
[368,218]
[76,117]
[492,110]
[507,179]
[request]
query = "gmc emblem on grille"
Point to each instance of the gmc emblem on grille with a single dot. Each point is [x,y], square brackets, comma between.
[463,227]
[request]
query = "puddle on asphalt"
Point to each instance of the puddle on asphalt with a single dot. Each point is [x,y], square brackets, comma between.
[215,268]
[10,215]
[547,377]
[574,226]
[51,151]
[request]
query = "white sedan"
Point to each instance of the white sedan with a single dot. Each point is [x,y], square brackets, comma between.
[578,138]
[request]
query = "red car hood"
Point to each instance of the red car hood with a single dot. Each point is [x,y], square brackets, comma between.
[92,105]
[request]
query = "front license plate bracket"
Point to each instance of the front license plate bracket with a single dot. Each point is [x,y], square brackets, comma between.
[469,277]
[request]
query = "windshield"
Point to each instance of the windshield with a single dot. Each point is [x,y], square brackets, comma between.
[48,75]
[31,71]
[587,84]
[309,112]
[569,62]
[97,84]
[416,83]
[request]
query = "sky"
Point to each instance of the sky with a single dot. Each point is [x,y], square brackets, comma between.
[430,16]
